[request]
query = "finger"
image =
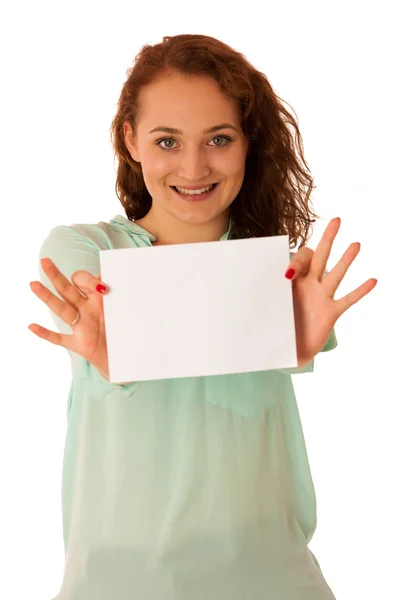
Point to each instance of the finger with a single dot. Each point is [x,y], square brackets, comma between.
[321,254]
[62,309]
[333,279]
[58,339]
[353,297]
[63,286]
[300,262]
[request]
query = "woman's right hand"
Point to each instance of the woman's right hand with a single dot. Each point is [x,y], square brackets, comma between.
[88,338]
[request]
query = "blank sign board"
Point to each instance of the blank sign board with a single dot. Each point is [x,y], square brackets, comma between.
[190,310]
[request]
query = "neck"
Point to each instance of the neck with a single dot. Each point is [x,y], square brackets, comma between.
[171,231]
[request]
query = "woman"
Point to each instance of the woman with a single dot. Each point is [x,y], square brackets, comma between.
[198,487]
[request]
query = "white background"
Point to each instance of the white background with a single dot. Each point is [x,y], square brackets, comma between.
[63,65]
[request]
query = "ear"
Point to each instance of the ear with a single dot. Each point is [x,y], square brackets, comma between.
[130,141]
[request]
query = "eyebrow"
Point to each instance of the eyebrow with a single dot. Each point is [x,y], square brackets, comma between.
[179,132]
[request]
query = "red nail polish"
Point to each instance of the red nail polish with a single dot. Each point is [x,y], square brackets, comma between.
[101,288]
[289,273]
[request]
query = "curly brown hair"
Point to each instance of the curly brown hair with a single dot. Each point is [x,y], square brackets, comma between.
[275,195]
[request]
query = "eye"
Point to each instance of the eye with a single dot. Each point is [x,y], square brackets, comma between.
[225,139]
[158,143]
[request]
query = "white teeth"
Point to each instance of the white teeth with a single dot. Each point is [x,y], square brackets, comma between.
[193,192]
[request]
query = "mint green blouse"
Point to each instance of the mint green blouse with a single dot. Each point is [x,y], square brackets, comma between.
[181,489]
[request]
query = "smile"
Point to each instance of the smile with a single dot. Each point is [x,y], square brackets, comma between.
[195,192]
[195,195]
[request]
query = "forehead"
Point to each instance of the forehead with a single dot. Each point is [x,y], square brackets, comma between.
[174,100]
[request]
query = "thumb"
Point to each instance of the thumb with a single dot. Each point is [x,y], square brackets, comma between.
[88,283]
[300,263]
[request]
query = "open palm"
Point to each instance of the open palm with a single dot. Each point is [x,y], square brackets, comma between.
[315,309]
[81,298]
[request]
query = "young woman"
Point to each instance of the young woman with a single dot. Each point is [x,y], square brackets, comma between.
[200,487]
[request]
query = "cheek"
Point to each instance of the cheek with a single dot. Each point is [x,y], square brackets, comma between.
[156,164]
[232,165]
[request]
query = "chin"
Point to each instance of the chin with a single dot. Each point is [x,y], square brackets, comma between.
[198,217]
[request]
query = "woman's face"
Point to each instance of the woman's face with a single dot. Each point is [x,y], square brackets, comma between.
[206,147]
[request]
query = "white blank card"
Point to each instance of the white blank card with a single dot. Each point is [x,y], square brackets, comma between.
[190,310]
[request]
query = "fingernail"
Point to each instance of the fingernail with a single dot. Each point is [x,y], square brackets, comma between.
[289,273]
[101,288]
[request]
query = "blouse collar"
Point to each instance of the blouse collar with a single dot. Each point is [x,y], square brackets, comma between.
[138,230]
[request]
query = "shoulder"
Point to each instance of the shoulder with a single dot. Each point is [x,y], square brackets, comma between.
[98,236]
[77,247]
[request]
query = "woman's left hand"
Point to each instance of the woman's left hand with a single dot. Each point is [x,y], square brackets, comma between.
[315,310]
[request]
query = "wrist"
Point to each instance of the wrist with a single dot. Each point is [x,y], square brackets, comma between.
[103,372]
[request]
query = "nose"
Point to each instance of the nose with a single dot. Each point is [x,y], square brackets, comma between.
[193,164]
